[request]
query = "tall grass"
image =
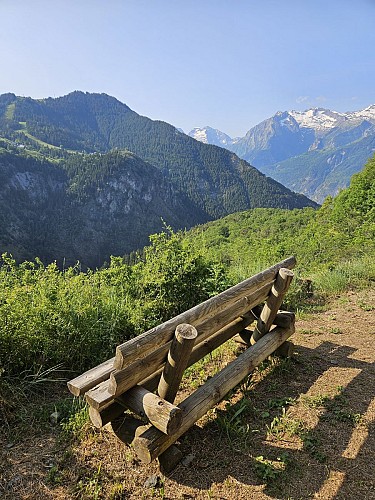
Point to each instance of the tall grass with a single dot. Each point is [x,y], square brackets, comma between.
[350,274]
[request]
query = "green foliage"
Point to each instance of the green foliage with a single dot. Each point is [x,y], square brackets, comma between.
[269,470]
[334,246]
[73,427]
[50,317]
[174,278]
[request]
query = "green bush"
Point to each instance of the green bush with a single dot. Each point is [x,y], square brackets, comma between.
[50,317]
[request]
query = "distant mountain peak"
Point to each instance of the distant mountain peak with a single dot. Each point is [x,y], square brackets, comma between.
[310,151]
[209,135]
[317,118]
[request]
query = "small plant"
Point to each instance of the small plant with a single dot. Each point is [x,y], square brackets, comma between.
[74,426]
[117,492]
[284,425]
[336,331]
[305,331]
[232,421]
[53,476]
[90,488]
[318,401]
[280,402]
[347,416]
[365,306]
[312,444]
[269,470]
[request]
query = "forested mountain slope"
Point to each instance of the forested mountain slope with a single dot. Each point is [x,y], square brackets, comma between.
[85,208]
[341,230]
[216,180]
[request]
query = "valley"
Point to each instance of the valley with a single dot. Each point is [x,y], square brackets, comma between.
[102,178]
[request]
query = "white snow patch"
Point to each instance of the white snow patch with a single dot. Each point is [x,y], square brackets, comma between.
[199,134]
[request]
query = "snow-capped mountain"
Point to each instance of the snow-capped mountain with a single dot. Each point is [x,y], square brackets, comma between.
[213,136]
[321,119]
[314,152]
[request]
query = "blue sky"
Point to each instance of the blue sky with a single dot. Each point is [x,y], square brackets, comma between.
[224,63]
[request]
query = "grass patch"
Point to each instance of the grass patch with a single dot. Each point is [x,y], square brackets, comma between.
[9,112]
[351,274]
[318,401]
[284,425]
[233,423]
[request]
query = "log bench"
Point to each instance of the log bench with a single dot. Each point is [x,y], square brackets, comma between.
[146,371]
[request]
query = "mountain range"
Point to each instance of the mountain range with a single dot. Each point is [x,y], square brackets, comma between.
[314,152]
[84,176]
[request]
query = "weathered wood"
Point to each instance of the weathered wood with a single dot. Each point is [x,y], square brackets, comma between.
[104,408]
[95,376]
[122,380]
[178,358]
[283,319]
[239,308]
[101,418]
[169,459]
[273,303]
[150,443]
[91,378]
[116,407]
[285,350]
[219,338]
[99,397]
[126,428]
[161,334]
[162,414]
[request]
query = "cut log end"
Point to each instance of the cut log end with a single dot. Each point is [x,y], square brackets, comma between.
[285,272]
[140,446]
[74,390]
[174,422]
[186,331]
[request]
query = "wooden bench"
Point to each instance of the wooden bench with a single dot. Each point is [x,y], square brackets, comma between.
[156,360]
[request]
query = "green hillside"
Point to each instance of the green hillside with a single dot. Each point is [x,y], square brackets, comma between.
[343,229]
[49,316]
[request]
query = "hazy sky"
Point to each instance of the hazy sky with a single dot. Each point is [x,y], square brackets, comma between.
[224,63]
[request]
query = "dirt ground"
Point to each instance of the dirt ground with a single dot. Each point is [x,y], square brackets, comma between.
[296,429]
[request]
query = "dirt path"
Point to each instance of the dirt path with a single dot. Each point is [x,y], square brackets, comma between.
[298,429]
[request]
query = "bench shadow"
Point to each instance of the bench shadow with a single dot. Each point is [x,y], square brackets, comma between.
[233,445]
